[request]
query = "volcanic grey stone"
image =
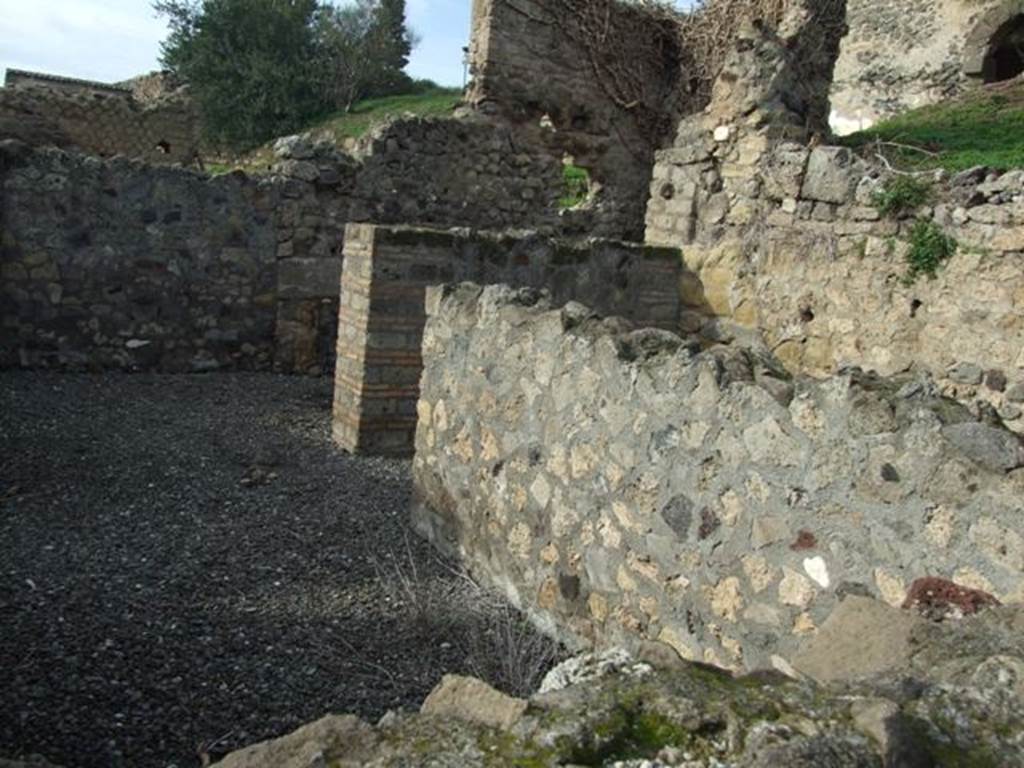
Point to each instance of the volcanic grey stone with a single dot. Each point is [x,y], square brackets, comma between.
[991,447]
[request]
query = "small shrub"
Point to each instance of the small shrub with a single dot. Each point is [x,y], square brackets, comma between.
[577,186]
[929,248]
[902,194]
[496,642]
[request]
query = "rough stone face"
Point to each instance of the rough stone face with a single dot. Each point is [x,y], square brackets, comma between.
[162,130]
[524,58]
[331,738]
[469,699]
[862,638]
[866,639]
[991,447]
[902,56]
[383,290]
[783,237]
[940,598]
[831,175]
[118,264]
[703,469]
[615,710]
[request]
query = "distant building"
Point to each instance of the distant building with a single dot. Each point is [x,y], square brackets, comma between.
[149,118]
[904,54]
[19,78]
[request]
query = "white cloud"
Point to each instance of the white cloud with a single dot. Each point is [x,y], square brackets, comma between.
[106,40]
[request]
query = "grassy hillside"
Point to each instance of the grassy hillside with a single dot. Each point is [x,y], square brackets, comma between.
[344,126]
[366,114]
[985,127]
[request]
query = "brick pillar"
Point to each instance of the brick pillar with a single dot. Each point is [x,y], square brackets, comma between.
[384,280]
[380,331]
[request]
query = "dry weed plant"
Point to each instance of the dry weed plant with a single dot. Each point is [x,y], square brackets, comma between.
[496,642]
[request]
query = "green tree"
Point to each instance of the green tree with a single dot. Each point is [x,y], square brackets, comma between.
[251,64]
[364,47]
[396,44]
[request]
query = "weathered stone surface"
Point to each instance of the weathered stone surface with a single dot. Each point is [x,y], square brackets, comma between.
[384,289]
[101,120]
[848,488]
[901,57]
[861,638]
[803,255]
[966,373]
[831,175]
[341,740]
[294,148]
[940,598]
[97,252]
[991,447]
[469,699]
[617,711]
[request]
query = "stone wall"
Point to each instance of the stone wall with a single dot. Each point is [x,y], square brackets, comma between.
[106,123]
[116,263]
[288,226]
[530,63]
[386,274]
[470,172]
[621,486]
[903,55]
[787,239]
[20,78]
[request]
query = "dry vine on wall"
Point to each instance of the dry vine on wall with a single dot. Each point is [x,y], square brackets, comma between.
[632,50]
[657,63]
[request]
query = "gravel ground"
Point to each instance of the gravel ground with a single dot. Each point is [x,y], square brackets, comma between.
[187,565]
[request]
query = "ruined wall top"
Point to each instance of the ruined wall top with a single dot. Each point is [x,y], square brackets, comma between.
[100,118]
[20,78]
[908,54]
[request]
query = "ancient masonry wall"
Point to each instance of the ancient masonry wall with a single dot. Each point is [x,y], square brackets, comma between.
[528,65]
[902,55]
[621,486]
[222,255]
[165,131]
[119,264]
[386,274]
[791,243]
[456,173]
[786,238]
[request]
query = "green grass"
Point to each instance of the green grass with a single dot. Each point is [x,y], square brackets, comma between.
[346,126]
[577,186]
[986,127]
[930,247]
[902,194]
[366,114]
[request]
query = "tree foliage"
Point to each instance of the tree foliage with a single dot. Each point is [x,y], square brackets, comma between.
[264,68]
[364,49]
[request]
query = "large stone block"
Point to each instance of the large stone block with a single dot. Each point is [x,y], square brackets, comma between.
[832,175]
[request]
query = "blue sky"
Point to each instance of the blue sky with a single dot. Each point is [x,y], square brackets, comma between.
[112,40]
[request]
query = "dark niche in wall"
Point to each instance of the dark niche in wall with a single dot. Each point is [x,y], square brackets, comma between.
[1005,57]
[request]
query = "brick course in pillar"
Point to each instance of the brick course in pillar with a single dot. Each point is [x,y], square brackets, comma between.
[382,311]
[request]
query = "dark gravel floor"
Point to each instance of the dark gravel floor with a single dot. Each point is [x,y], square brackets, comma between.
[187,560]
